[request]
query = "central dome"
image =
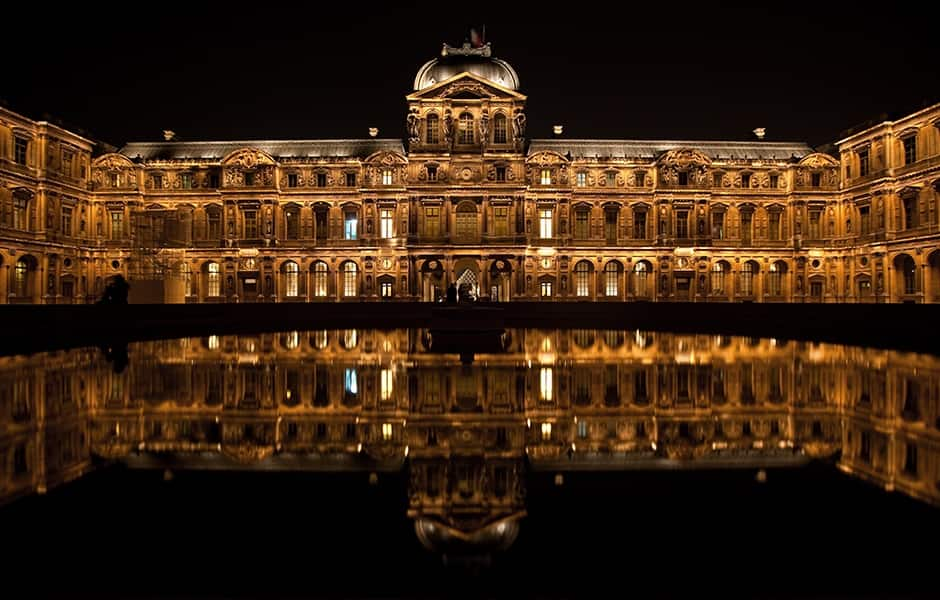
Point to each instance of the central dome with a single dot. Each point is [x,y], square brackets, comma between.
[467,60]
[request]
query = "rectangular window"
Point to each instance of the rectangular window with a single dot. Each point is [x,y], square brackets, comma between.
[117,225]
[186,181]
[432,173]
[545,223]
[432,221]
[501,220]
[19,150]
[321,179]
[67,163]
[386,224]
[350,180]
[113,180]
[910,150]
[683,178]
[610,226]
[774,181]
[249,178]
[816,289]
[67,220]
[716,179]
[546,289]
[292,180]
[351,225]
[292,224]
[157,182]
[215,224]
[863,163]
[639,178]
[746,227]
[815,179]
[500,174]
[581,225]
[639,225]
[321,220]
[865,214]
[581,179]
[499,130]
[251,224]
[774,225]
[214,180]
[386,289]
[848,171]
[386,177]
[910,212]
[745,180]
[814,217]
[682,224]
[546,177]
[611,178]
[718,225]
[864,287]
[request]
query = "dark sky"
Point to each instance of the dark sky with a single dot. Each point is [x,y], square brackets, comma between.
[278,70]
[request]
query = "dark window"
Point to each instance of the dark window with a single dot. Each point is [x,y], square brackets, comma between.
[321,179]
[611,178]
[863,163]
[774,225]
[213,180]
[682,224]
[910,150]
[718,225]
[745,180]
[865,213]
[292,180]
[215,224]
[432,173]
[814,218]
[774,181]
[640,178]
[186,181]
[610,225]
[500,173]
[815,179]
[746,227]
[19,150]
[716,179]
[816,289]
[249,178]
[639,225]
[683,178]
[292,220]
[19,460]
[251,224]
[910,459]
[581,226]
[350,180]
[158,182]
[321,224]
[910,212]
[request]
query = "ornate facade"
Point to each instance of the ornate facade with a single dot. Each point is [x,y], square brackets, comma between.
[467,198]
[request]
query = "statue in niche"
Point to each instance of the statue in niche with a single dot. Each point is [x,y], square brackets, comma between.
[879,283]
[448,128]
[229,285]
[564,283]
[268,285]
[484,128]
[701,283]
[414,135]
[799,284]
[518,126]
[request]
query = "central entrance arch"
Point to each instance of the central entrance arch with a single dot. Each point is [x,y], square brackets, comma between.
[467,279]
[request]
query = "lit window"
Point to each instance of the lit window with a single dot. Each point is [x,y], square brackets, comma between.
[386,289]
[351,382]
[612,279]
[319,279]
[775,279]
[581,180]
[20,213]
[747,279]
[581,224]
[292,223]
[387,384]
[432,221]
[432,129]
[386,431]
[386,177]
[351,225]
[546,431]
[545,384]
[350,279]
[291,283]
[499,129]
[214,279]
[20,278]
[545,222]
[213,342]
[385,222]
[501,220]
[718,279]
[291,341]
[187,276]
[641,279]
[546,289]
[546,177]
[466,129]
[186,181]
[582,279]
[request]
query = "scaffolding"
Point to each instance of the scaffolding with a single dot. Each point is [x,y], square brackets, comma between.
[158,240]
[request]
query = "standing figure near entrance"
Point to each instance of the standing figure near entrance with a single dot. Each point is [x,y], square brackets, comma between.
[452,293]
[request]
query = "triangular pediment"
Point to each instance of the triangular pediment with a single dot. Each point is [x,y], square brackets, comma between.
[466,85]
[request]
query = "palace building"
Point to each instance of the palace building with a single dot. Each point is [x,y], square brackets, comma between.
[467,198]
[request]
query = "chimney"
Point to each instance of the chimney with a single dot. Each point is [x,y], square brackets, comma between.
[373,131]
[760,132]
[169,135]
[557,129]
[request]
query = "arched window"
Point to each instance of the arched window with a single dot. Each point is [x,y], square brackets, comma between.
[499,129]
[466,129]
[641,279]
[432,129]
[319,279]
[775,278]
[582,279]
[213,283]
[291,279]
[20,210]
[909,270]
[612,279]
[747,279]
[350,279]
[21,278]
[186,275]
[718,278]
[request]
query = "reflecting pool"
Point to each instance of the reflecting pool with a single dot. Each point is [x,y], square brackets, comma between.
[465,422]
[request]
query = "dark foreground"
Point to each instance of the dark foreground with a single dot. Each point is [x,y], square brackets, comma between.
[805,533]
[895,326]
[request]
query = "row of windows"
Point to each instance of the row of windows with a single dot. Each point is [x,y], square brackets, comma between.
[349,279]
[465,129]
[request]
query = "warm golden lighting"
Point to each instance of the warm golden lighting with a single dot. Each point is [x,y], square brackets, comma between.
[546,431]
[545,384]
[386,431]
[386,384]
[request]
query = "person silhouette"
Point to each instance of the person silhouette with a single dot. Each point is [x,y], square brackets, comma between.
[116,291]
[452,294]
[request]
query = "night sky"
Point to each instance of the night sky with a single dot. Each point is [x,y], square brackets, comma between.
[806,72]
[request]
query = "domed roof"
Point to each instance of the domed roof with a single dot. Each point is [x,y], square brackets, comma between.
[444,539]
[470,60]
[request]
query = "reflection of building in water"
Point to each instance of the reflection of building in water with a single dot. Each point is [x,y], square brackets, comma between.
[554,400]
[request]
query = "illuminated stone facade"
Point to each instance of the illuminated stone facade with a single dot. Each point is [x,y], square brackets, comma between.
[467,198]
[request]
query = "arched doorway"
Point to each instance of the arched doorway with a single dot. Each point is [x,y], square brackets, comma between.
[907,284]
[467,279]
[23,286]
[720,279]
[642,284]
[432,280]
[933,276]
[500,281]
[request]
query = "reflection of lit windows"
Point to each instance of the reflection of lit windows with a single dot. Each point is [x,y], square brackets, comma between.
[545,384]
[582,429]
[213,342]
[351,382]
[387,384]
[386,431]
[546,431]
[320,339]
[350,338]
[546,344]
[292,340]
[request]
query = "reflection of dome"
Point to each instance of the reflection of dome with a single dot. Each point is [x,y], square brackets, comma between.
[448,541]
[473,60]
